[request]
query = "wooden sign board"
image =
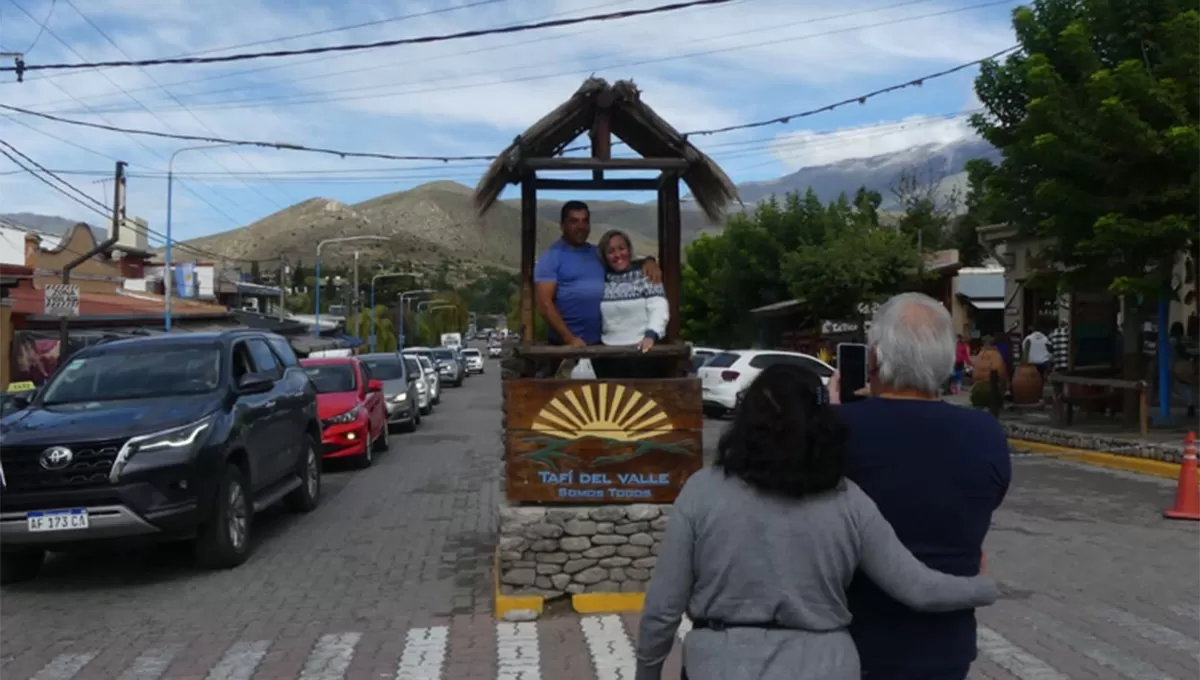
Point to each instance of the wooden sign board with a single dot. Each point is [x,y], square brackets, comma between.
[601,441]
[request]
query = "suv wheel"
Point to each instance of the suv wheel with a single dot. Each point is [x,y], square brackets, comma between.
[224,540]
[19,566]
[306,497]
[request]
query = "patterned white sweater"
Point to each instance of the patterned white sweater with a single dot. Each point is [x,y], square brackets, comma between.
[633,308]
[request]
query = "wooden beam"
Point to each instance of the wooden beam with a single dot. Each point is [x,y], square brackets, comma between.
[597,184]
[601,139]
[659,351]
[612,164]
[529,221]
[670,246]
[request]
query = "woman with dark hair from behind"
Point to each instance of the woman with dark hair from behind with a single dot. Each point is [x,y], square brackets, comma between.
[761,547]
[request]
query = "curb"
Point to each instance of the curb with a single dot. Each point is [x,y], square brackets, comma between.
[1112,461]
[608,603]
[507,604]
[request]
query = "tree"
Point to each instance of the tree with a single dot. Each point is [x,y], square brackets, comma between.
[1097,120]
[255,274]
[385,329]
[981,211]
[299,278]
[491,292]
[928,209]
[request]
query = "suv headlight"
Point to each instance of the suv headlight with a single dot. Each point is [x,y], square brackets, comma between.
[343,418]
[181,439]
[400,398]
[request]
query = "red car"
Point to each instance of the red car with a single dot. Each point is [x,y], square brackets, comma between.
[350,405]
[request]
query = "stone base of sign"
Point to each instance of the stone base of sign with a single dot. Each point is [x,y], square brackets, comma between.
[555,552]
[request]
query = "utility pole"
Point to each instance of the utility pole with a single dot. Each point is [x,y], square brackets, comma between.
[355,306]
[118,216]
[279,282]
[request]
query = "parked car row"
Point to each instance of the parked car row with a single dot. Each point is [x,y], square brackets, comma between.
[190,436]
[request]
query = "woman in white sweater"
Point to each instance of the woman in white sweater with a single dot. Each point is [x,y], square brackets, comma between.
[634,310]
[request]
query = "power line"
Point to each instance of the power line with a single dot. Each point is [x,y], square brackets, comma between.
[42,27]
[860,99]
[375,92]
[354,47]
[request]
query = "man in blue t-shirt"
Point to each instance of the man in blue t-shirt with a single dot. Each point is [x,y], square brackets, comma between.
[569,281]
[937,472]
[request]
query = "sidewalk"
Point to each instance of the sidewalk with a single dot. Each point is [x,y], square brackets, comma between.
[1089,433]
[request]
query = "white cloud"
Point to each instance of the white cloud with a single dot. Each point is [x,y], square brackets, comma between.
[808,148]
[746,60]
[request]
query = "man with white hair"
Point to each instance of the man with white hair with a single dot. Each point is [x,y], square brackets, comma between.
[936,471]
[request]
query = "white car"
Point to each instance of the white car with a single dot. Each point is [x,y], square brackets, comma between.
[495,351]
[424,398]
[701,355]
[474,360]
[432,382]
[727,374]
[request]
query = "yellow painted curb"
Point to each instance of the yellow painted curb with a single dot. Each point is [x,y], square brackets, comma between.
[608,603]
[509,603]
[1156,468]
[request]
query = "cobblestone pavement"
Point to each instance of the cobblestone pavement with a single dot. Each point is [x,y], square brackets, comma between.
[390,579]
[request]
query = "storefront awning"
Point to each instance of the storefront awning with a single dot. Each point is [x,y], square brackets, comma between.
[987,304]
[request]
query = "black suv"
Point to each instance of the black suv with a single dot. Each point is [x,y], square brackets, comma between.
[170,437]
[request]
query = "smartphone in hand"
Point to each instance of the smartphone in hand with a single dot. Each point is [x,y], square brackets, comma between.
[852,370]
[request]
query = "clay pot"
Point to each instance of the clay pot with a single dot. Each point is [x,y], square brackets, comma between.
[987,361]
[1026,385]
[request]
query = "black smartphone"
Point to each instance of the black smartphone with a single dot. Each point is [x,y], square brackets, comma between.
[852,370]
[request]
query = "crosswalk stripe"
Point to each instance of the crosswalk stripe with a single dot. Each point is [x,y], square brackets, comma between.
[152,663]
[64,666]
[240,661]
[1013,659]
[609,646]
[330,657]
[1095,649]
[424,653]
[518,657]
[1158,634]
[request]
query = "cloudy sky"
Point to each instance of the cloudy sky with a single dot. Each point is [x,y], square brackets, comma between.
[701,68]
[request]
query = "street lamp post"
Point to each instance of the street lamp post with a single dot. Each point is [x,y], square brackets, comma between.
[375,278]
[317,297]
[404,307]
[168,273]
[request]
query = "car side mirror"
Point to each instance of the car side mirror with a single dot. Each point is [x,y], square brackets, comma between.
[255,383]
[374,386]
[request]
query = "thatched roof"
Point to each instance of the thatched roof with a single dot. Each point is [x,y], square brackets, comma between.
[632,121]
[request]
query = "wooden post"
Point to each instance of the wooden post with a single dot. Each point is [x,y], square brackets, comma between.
[528,253]
[669,247]
[602,132]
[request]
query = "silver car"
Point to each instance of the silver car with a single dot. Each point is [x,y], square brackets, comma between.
[433,382]
[401,392]
[448,365]
[474,361]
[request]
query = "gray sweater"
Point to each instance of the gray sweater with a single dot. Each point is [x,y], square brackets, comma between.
[737,555]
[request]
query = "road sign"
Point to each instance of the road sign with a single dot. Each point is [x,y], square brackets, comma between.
[61,299]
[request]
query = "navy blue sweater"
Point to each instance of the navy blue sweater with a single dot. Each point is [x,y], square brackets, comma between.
[936,471]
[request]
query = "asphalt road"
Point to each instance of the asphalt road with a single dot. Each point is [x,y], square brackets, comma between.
[390,578]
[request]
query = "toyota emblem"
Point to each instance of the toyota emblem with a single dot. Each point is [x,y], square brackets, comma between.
[57,457]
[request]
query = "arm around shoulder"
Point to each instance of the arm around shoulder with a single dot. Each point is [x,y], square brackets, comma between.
[894,568]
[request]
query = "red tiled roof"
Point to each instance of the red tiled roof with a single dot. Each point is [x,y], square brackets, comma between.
[31,301]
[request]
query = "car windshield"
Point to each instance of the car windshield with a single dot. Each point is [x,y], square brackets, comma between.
[444,354]
[412,365]
[426,364]
[385,369]
[470,352]
[136,374]
[329,378]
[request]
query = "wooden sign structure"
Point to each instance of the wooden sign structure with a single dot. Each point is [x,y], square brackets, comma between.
[613,440]
[591,441]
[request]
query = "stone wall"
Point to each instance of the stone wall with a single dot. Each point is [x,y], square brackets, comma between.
[558,551]
[1170,452]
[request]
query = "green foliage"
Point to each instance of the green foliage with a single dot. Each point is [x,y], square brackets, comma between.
[540,328]
[300,277]
[982,210]
[385,329]
[833,256]
[255,274]
[1097,119]
[491,292]
[981,394]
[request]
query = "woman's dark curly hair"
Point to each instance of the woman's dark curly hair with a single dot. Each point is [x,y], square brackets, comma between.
[784,440]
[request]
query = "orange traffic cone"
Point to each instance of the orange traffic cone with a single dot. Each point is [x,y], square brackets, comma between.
[1187,500]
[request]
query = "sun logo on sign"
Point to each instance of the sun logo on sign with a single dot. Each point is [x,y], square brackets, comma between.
[618,416]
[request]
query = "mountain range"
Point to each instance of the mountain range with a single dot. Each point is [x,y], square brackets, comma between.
[436,222]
